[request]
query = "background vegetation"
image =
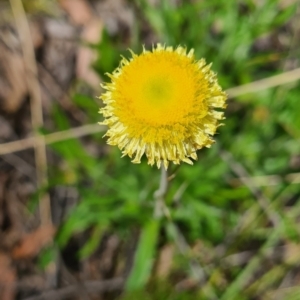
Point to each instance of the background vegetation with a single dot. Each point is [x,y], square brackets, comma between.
[231,224]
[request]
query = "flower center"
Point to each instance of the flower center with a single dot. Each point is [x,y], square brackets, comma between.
[158,91]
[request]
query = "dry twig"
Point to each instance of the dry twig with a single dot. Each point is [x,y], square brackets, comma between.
[35,104]
[93,287]
[36,110]
[50,138]
[264,84]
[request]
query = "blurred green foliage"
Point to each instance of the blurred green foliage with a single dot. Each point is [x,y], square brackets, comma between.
[261,134]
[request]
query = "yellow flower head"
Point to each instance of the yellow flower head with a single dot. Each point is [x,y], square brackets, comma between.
[162,103]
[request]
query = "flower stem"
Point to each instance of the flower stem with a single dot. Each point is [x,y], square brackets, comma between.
[160,209]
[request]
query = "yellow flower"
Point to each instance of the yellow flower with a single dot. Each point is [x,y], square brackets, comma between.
[162,103]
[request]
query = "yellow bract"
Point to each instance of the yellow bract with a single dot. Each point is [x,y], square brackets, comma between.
[161,104]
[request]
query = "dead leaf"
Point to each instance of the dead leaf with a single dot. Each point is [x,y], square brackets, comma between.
[292,253]
[78,10]
[86,56]
[7,278]
[13,87]
[165,261]
[32,243]
[36,33]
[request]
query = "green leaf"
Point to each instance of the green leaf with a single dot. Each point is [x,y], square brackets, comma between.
[290,229]
[144,256]
[91,245]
